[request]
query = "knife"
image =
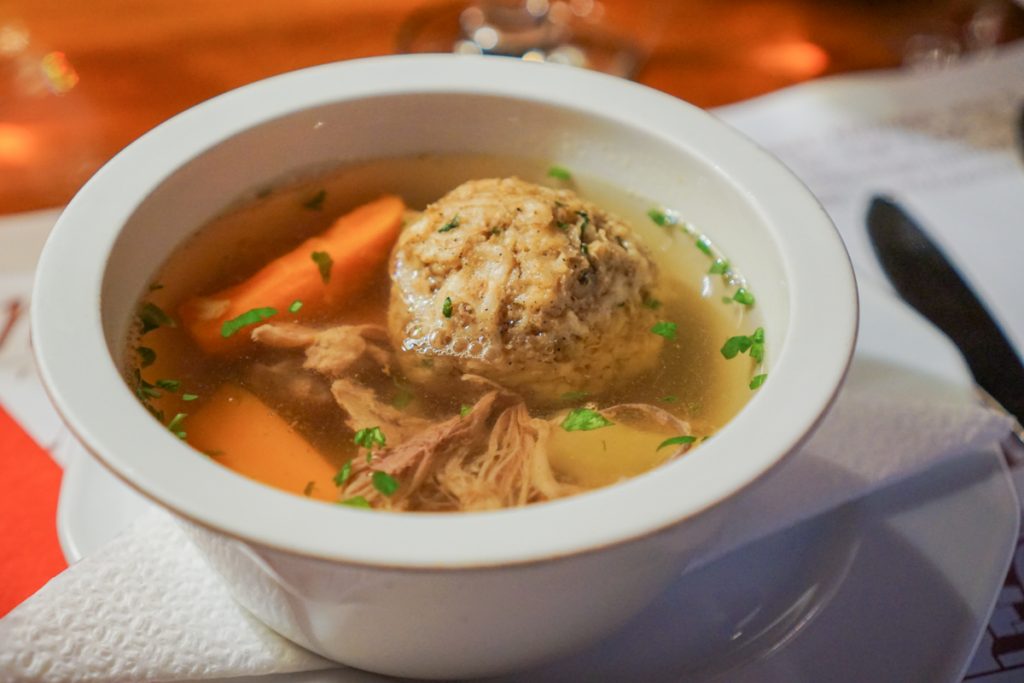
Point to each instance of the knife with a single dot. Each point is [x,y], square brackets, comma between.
[927,280]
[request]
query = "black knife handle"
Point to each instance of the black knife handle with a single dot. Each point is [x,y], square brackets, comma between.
[927,280]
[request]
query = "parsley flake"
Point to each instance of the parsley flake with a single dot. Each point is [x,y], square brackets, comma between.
[465,410]
[671,398]
[572,396]
[676,440]
[450,225]
[145,391]
[152,317]
[665,329]
[559,173]
[584,420]
[295,307]
[343,474]
[446,307]
[704,244]
[719,267]
[368,437]
[250,317]
[356,502]
[189,397]
[743,296]
[663,217]
[736,345]
[168,384]
[175,425]
[324,263]
[652,303]
[741,344]
[757,381]
[384,483]
[316,202]
[147,356]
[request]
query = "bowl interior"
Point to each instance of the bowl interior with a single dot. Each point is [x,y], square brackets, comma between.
[119,230]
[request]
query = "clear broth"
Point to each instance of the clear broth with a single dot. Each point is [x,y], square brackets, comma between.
[693,380]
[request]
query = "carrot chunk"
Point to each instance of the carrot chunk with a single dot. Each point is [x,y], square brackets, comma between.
[323,272]
[239,431]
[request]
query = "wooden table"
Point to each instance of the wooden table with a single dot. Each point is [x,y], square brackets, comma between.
[79,80]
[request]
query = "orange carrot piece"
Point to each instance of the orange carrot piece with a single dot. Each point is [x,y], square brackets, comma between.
[241,432]
[357,244]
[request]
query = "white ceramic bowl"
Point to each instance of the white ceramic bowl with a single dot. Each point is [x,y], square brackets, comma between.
[424,594]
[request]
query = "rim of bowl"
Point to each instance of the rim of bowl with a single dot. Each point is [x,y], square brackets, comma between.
[77,369]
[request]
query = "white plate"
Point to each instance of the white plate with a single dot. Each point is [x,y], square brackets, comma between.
[896,587]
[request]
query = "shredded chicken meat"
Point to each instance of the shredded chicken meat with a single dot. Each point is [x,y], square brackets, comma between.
[493,456]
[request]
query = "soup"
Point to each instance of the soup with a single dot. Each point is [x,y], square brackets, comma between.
[446,333]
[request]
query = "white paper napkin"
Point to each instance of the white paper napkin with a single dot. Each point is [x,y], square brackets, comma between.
[147,608]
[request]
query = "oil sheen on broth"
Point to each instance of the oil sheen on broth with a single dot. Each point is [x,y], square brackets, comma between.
[236,408]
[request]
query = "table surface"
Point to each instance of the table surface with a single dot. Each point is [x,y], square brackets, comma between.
[80,80]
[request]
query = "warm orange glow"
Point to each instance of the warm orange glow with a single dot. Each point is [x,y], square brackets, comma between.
[60,75]
[798,58]
[16,144]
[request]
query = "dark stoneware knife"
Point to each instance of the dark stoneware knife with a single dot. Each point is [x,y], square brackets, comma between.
[927,280]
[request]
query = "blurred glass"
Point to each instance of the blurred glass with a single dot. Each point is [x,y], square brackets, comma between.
[575,32]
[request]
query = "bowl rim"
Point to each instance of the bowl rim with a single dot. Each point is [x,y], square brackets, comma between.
[67,327]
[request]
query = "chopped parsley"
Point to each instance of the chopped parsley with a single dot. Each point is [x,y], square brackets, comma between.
[147,356]
[663,217]
[189,397]
[446,307]
[758,380]
[308,491]
[652,303]
[368,437]
[324,263]
[145,391]
[741,344]
[665,329]
[175,425]
[560,173]
[465,410]
[450,225]
[584,420]
[719,267]
[736,345]
[384,483]
[152,317]
[671,398]
[704,244]
[356,502]
[726,300]
[316,202]
[743,296]
[675,440]
[757,345]
[168,384]
[572,396]
[248,318]
[295,307]
[343,474]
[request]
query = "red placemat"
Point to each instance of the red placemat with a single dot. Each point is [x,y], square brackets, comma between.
[29,552]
